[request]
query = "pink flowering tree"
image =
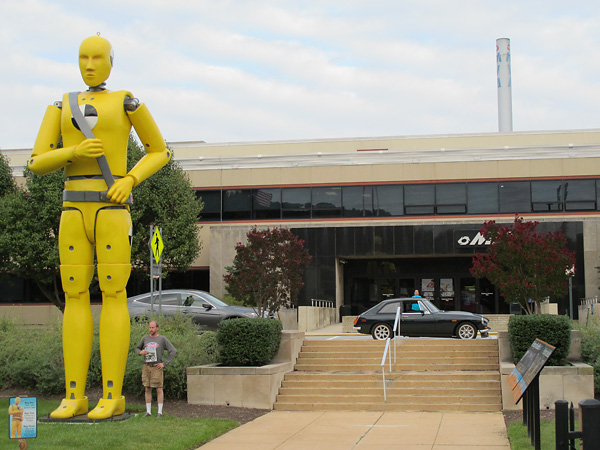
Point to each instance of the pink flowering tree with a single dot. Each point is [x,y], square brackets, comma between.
[523,263]
[267,270]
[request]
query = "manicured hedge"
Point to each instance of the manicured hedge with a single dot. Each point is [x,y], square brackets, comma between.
[554,330]
[248,342]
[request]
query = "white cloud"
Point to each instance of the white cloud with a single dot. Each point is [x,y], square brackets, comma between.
[263,70]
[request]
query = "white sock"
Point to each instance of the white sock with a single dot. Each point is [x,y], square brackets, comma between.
[148,408]
[160,405]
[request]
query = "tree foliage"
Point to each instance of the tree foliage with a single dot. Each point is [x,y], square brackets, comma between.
[523,263]
[29,222]
[7,182]
[166,200]
[29,233]
[267,270]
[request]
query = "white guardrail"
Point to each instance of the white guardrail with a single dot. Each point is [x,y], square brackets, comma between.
[395,333]
[322,303]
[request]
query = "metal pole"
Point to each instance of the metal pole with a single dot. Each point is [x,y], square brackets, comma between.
[151,268]
[570,297]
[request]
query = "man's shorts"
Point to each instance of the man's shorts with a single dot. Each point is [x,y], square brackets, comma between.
[152,376]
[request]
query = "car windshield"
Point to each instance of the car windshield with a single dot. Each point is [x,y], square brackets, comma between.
[214,300]
[430,306]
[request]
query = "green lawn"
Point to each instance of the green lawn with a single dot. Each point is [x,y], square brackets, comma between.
[170,432]
[517,433]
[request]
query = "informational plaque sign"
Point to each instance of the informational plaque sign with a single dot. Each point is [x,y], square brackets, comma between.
[22,418]
[529,367]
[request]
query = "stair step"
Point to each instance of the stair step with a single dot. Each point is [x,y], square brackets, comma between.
[386,406]
[428,375]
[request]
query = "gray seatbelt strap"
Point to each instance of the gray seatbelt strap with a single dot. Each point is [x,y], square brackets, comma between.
[84,127]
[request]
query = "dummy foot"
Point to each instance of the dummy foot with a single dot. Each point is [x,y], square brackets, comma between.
[106,408]
[70,407]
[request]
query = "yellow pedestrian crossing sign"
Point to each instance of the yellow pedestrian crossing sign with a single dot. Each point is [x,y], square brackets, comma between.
[157,245]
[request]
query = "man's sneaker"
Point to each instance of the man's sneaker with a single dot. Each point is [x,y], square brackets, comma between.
[147,414]
[159,416]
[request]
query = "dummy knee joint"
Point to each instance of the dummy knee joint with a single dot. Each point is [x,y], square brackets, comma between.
[76,279]
[113,278]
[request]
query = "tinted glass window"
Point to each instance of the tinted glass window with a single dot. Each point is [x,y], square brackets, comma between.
[388,200]
[212,204]
[419,199]
[547,195]
[357,201]
[237,204]
[515,197]
[482,198]
[580,195]
[390,308]
[295,203]
[326,202]
[266,203]
[451,198]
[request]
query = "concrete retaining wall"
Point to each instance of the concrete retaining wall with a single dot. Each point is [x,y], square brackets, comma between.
[247,387]
[315,317]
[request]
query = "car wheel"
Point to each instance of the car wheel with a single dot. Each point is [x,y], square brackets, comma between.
[466,331]
[381,331]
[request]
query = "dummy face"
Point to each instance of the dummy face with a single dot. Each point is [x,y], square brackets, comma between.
[95,60]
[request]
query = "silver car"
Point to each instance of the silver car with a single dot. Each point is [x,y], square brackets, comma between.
[204,309]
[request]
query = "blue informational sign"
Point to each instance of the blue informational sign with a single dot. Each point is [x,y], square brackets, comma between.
[22,418]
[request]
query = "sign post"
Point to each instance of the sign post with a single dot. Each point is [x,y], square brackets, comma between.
[525,382]
[157,246]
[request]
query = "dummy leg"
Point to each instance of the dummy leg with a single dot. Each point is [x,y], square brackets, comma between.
[77,270]
[113,252]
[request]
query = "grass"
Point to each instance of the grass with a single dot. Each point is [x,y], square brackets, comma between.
[517,434]
[170,432]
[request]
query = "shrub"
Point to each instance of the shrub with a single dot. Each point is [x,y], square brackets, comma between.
[590,344]
[554,330]
[33,359]
[248,342]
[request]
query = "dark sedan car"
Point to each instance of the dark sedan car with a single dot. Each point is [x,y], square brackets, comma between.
[420,317]
[204,309]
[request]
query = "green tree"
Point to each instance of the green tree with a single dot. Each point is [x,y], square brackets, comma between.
[29,233]
[523,263]
[267,270]
[166,200]
[29,224]
[7,182]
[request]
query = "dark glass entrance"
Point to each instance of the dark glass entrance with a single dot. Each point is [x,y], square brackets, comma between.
[445,281]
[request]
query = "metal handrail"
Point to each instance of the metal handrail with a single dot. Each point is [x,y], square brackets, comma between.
[395,332]
[322,303]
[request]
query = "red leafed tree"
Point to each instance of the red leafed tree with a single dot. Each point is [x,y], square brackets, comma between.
[524,264]
[267,270]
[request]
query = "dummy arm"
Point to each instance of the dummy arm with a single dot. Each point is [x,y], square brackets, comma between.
[157,154]
[46,158]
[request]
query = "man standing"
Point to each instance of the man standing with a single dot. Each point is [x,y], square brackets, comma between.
[151,347]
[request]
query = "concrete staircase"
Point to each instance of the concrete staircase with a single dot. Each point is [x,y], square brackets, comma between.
[429,375]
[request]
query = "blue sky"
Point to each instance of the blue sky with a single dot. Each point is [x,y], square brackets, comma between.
[232,70]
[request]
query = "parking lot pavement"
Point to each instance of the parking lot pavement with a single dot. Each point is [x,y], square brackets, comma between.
[367,430]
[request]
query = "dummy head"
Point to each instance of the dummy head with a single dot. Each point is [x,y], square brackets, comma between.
[95,60]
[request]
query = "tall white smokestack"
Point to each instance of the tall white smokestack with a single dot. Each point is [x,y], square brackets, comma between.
[504,85]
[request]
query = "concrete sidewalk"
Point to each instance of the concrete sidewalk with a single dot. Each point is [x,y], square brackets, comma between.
[367,430]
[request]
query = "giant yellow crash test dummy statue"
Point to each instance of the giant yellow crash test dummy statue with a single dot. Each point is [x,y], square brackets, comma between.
[95,126]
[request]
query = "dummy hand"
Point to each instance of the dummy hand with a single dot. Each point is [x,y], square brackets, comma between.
[90,148]
[120,190]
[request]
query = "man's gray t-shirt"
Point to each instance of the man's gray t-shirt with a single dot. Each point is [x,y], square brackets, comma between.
[155,347]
